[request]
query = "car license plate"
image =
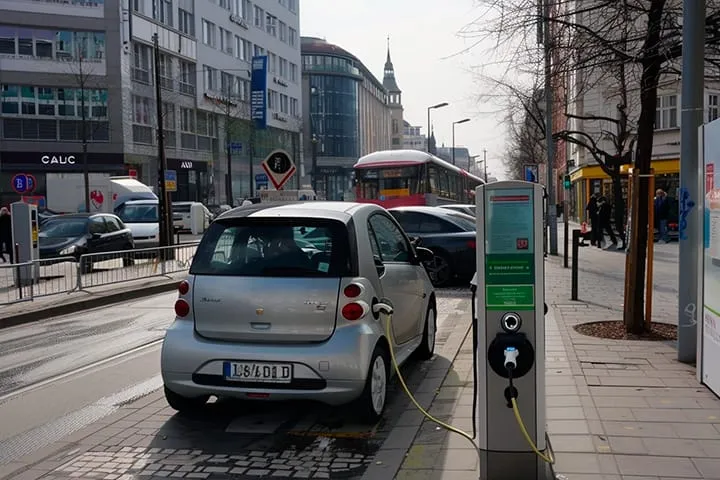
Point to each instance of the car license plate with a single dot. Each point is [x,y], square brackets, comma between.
[258,372]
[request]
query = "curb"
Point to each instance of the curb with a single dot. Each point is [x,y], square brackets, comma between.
[387,463]
[87,303]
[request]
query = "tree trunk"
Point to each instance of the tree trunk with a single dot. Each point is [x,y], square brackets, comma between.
[619,204]
[651,62]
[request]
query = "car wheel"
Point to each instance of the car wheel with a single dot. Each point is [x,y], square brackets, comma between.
[184,404]
[426,349]
[371,403]
[439,270]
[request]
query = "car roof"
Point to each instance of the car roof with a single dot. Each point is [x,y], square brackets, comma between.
[437,211]
[456,205]
[142,202]
[80,215]
[342,211]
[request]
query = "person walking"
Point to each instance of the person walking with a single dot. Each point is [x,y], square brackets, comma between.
[592,211]
[604,213]
[6,245]
[662,214]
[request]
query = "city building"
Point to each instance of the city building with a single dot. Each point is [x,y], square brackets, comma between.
[205,71]
[345,115]
[413,139]
[394,102]
[82,71]
[51,53]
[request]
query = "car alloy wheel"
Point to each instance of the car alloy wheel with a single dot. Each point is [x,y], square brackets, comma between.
[378,385]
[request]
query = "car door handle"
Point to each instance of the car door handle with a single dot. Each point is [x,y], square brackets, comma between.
[260,325]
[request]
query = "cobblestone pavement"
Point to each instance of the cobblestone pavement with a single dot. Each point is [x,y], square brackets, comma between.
[232,440]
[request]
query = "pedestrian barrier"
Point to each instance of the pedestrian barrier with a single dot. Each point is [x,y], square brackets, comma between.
[53,276]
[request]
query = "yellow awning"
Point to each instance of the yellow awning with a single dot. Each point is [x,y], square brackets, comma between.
[661,167]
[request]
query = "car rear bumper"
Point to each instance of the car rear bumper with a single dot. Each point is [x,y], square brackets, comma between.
[332,372]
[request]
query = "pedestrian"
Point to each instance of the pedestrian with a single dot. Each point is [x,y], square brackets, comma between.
[662,213]
[592,212]
[604,213]
[5,234]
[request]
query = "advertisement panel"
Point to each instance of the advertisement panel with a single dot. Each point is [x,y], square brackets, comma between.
[258,91]
[710,348]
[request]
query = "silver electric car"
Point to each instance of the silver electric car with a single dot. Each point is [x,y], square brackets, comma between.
[262,317]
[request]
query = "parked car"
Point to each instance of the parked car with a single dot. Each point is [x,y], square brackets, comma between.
[467,209]
[143,219]
[74,235]
[450,235]
[181,216]
[45,214]
[261,319]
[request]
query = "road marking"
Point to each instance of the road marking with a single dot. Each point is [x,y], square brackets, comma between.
[79,370]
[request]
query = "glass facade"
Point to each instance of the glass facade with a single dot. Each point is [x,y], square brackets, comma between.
[334,115]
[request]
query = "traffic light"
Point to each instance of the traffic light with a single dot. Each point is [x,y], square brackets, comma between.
[566,182]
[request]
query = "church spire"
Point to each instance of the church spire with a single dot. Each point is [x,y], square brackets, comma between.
[389,81]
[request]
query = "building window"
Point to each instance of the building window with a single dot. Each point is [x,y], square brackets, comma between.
[225,4]
[292,5]
[52,44]
[666,115]
[187,129]
[284,103]
[283,68]
[292,38]
[142,117]
[395,127]
[241,8]
[272,67]
[141,63]
[259,17]
[138,6]
[283,32]
[294,110]
[293,72]
[210,78]
[165,68]
[226,84]
[272,97]
[187,77]
[258,50]
[242,48]
[713,107]
[209,34]
[162,11]
[225,41]
[186,22]
[271,25]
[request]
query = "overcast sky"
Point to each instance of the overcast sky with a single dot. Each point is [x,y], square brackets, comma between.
[422,33]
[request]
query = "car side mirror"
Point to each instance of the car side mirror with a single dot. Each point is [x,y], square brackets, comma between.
[379,265]
[424,254]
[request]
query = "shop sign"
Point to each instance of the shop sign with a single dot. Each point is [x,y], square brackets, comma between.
[186,165]
[58,159]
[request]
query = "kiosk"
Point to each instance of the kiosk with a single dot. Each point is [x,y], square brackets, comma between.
[510,332]
[25,230]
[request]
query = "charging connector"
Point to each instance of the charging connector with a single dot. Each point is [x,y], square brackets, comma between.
[511,355]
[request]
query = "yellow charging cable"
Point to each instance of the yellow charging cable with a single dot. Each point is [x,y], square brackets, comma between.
[544,457]
[388,334]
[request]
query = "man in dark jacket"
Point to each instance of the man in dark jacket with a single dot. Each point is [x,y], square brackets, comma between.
[662,214]
[604,225]
[592,211]
[5,234]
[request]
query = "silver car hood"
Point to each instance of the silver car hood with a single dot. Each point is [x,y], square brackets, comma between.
[144,229]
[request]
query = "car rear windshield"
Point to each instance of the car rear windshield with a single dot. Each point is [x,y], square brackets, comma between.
[274,248]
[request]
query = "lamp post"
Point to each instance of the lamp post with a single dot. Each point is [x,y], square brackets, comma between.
[464,120]
[439,105]
[313,138]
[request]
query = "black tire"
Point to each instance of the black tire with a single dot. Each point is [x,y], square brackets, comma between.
[184,404]
[368,414]
[426,349]
[440,270]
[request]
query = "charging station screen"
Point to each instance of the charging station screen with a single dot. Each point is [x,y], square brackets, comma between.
[509,249]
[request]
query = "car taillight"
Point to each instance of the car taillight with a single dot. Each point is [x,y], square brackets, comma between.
[184,287]
[354,311]
[353,290]
[471,244]
[182,308]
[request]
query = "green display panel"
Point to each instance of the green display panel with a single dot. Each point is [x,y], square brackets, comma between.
[509,249]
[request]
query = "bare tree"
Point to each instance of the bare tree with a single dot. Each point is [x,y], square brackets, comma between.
[89,84]
[639,41]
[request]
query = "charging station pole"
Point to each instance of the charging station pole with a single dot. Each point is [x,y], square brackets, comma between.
[510,330]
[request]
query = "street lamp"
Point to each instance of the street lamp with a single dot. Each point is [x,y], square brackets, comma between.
[313,139]
[439,105]
[464,120]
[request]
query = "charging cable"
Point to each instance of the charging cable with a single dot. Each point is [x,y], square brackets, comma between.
[473,290]
[388,333]
[511,355]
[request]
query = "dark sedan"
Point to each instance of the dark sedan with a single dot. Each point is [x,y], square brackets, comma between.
[82,233]
[449,234]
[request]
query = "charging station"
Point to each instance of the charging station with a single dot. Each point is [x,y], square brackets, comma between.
[25,229]
[510,332]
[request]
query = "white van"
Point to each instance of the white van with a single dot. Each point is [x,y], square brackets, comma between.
[181,216]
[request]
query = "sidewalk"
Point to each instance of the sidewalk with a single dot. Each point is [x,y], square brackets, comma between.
[616,410]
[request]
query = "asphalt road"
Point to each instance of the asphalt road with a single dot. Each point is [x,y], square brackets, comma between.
[60,375]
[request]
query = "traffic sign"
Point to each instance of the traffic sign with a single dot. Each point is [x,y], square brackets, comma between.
[31,183]
[20,183]
[171,180]
[279,167]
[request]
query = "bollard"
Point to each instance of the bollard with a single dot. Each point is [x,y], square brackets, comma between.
[574,273]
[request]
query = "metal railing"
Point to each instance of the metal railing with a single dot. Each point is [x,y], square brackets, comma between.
[20,282]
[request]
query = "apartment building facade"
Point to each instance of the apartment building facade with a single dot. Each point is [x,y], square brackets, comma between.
[346,115]
[413,138]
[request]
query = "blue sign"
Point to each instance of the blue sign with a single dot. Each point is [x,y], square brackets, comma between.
[20,183]
[530,172]
[258,91]
[235,147]
[261,181]
[171,180]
